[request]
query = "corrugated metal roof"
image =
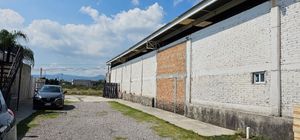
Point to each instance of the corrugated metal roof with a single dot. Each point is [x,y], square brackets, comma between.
[168,26]
[198,17]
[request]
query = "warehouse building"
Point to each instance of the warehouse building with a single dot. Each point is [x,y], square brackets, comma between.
[232,63]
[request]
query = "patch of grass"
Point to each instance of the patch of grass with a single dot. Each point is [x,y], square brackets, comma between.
[163,128]
[34,120]
[120,138]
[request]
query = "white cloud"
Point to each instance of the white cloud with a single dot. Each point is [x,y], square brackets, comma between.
[90,11]
[194,2]
[135,2]
[106,35]
[176,2]
[10,19]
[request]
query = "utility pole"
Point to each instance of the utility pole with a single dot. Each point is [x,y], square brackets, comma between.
[41,72]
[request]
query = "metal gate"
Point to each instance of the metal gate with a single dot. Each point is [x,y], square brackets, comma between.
[111,90]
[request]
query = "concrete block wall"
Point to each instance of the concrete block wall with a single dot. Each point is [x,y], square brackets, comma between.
[137,76]
[26,88]
[149,75]
[225,55]
[118,75]
[271,128]
[290,55]
[113,75]
[26,83]
[125,85]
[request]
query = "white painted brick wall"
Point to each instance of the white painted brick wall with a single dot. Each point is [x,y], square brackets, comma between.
[149,75]
[290,53]
[118,75]
[225,54]
[132,72]
[126,78]
[113,75]
[136,77]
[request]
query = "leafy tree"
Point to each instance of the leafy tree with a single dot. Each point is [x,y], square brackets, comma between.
[52,81]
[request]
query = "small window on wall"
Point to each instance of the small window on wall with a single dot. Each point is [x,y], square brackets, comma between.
[259,77]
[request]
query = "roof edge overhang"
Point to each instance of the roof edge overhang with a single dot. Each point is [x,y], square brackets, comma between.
[168,26]
[202,15]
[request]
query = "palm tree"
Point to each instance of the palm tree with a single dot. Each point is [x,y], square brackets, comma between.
[9,41]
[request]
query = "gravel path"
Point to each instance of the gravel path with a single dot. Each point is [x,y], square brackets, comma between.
[91,121]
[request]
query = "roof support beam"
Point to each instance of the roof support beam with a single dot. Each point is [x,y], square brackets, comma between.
[152,45]
[122,60]
[227,6]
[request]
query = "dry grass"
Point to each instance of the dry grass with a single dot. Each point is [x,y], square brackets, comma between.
[34,120]
[83,91]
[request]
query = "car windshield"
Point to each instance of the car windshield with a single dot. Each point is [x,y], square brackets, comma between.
[50,89]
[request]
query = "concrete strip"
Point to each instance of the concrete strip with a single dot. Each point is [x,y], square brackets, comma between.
[203,129]
[83,98]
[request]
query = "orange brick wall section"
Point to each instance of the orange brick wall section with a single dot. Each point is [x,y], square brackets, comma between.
[180,96]
[165,94]
[171,62]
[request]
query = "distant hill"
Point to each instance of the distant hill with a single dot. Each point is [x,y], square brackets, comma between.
[67,77]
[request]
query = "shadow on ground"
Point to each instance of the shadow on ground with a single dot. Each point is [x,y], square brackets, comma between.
[33,120]
[68,107]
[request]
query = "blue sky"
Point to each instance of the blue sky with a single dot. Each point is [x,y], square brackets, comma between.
[79,36]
